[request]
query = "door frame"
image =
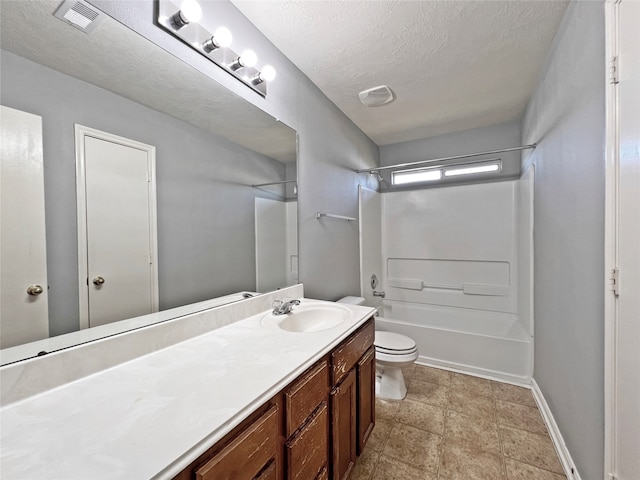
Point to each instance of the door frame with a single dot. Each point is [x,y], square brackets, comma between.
[613,369]
[81,199]
[610,237]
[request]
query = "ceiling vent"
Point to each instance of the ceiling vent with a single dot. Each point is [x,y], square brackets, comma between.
[376,96]
[79,14]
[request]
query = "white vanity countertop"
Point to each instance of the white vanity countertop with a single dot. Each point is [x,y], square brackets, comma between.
[152,416]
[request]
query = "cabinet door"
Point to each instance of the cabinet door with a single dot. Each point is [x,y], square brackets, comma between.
[307,450]
[246,456]
[269,473]
[345,357]
[343,426]
[366,370]
[304,396]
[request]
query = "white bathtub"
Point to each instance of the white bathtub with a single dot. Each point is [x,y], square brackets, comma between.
[490,344]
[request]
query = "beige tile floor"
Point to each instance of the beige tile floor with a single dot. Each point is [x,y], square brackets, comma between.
[458,427]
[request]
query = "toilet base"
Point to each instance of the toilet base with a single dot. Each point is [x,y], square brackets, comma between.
[390,383]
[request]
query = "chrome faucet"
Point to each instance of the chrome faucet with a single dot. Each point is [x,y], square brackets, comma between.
[281,307]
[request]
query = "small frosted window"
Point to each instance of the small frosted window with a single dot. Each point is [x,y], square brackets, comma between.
[416,176]
[437,173]
[482,168]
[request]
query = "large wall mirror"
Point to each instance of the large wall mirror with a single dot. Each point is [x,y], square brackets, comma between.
[224,188]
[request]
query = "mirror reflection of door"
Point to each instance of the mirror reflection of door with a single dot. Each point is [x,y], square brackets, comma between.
[117,227]
[276,243]
[22,227]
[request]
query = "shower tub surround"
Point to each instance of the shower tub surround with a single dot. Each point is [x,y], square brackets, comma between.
[146,403]
[455,265]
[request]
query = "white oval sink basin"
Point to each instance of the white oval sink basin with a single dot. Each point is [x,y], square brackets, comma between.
[308,318]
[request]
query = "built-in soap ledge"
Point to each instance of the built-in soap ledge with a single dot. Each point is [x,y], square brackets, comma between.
[36,375]
[466,288]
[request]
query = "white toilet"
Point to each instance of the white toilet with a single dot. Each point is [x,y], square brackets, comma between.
[393,351]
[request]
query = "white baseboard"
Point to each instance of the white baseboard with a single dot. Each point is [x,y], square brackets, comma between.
[570,469]
[521,381]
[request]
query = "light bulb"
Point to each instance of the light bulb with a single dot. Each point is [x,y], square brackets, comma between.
[248,58]
[190,11]
[268,73]
[223,36]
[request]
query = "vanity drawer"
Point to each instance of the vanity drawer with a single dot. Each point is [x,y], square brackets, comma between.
[347,355]
[248,453]
[269,473]
[304,396]
[308,451]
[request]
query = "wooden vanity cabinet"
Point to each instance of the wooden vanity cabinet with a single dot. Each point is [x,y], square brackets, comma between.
[366,393]
[307,424]
[352,398]
[250,451]
[307,451]
[269,473]
[311,430]
[343,426]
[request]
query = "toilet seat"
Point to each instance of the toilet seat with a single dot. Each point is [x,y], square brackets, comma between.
[394,343]
[403,359]
[396,352]
[395,349]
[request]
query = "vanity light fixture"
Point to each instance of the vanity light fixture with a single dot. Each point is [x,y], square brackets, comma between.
[190,11]
[221,38]
[182,20]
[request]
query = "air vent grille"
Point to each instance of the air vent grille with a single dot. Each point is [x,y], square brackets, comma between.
[79,14]
[376,96]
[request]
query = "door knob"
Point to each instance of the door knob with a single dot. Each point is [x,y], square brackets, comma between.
[98,281]
[34,290]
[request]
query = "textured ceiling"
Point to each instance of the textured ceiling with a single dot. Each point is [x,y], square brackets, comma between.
[453,65]
[119,60]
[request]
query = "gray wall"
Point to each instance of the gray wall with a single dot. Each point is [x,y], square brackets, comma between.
[330,145]
[566,116]
[205,202]
[482,139]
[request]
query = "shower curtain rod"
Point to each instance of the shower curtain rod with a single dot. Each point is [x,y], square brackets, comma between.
[469,155]
[273,183]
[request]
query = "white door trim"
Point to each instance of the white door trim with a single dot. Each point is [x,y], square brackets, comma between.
[610,257]
[83,268]
[611,202]
[620,315]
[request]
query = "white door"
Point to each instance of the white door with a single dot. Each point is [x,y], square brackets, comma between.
[623,243]
[23,262]
[120,231]
[271,244]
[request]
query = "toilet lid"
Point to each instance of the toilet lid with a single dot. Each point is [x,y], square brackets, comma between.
[380,350]
[393,342]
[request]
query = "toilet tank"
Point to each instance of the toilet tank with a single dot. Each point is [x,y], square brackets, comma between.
[352,300]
